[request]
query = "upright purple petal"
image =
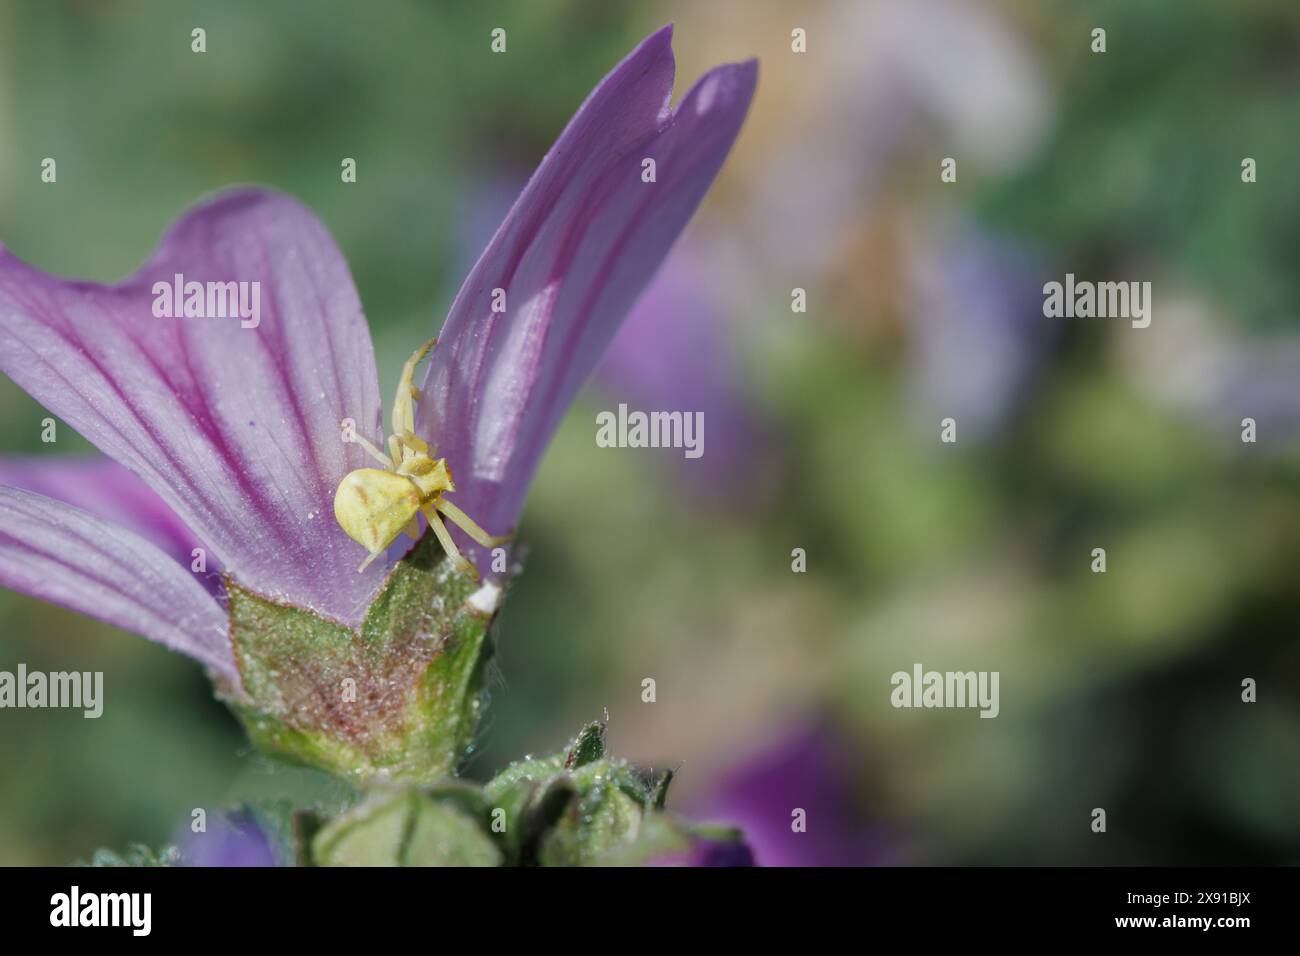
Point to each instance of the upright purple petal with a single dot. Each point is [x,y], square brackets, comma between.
[237,429]
[58,553]
[105,490]
[574,253]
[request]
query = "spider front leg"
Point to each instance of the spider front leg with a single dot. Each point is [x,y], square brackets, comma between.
[469,526]
[366,563]
[444,538]
[404,400]
[374,452]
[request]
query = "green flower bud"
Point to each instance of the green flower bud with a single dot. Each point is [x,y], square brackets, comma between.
[409,828]
[579,807]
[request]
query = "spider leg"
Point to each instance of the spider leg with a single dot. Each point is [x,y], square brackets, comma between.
[468,525]
[444,538]
[411,440]
[404,400]
[366,563]
[374,452]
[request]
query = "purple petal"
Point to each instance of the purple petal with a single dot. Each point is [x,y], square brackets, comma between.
[236,841]
[236,429]
[705,852]
[61,554]
[574,253]
[724,853]
[810,768]
[104,489]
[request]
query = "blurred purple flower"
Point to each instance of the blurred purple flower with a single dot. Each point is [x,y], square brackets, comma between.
[706,852]
[1200,363]
[722,853]
[978,332]
[237,430]
[806,769]
[676,353]
[1259,380]
[233,841]
[890,86]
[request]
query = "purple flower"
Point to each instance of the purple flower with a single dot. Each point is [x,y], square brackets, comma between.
[707,852]
[1198,364]
[722,853]
[580,244]
[237,430]
[806,768]
[977,324]
[235,841]
[676,352]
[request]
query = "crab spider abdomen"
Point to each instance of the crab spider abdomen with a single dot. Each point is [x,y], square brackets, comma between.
[373,506]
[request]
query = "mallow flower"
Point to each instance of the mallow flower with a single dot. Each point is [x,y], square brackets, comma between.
[209,526]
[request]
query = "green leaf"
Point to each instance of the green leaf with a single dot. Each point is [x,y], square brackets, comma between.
[396,700]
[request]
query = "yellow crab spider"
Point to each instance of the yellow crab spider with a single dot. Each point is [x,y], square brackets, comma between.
[375,505]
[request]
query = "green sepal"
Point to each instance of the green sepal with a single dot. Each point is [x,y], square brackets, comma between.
[406,828]
[417,667]
[305,825]
[661,836]
[587,747]
[528,797]
[611,806]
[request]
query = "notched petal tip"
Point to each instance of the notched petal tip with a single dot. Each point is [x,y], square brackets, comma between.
[576,249]
[727,87]
[660,42]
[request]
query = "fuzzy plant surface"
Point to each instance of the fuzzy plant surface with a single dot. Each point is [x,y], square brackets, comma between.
[245,476]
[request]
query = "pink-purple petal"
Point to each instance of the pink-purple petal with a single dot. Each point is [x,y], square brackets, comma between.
[106,490]
[575,251]
[236,429]
[61,554]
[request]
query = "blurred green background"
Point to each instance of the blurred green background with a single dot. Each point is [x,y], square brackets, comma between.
[1118,690]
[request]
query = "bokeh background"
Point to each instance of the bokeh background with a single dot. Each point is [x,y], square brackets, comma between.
[1119,690]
